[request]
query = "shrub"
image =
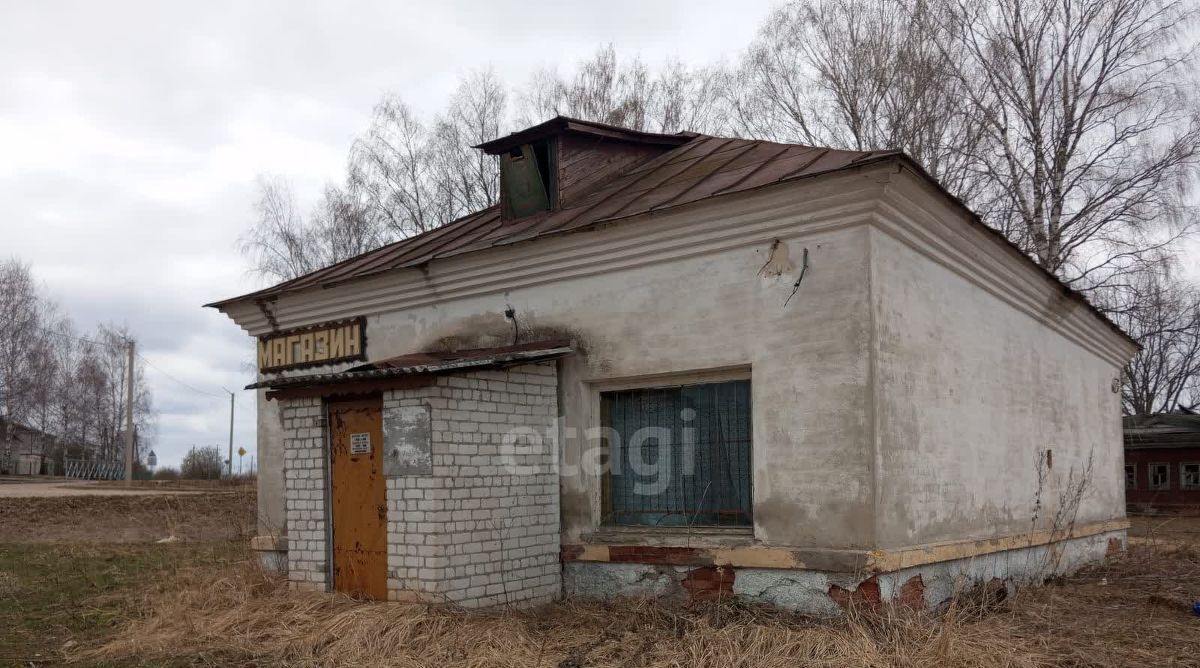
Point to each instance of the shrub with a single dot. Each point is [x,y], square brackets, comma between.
[203,464]
[166,473]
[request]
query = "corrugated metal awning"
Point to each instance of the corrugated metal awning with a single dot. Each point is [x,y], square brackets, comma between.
[429,363]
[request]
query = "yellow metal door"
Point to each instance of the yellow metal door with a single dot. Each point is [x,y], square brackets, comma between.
[359,498]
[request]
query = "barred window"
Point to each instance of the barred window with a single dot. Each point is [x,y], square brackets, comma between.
[678,456]
[1160,476]
[1131,476]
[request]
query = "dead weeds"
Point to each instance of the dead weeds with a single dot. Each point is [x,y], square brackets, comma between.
[1129,612]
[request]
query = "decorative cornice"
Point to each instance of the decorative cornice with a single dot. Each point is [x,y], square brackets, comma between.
[923,219]
[839,201]
[890,197]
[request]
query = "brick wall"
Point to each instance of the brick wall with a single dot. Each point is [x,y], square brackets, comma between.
[305,483]
[481,528]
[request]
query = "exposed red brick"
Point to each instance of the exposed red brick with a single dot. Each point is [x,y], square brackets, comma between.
[1114,547]
[667,556]
[570,552]
[709,583]
[912,593]
[866,595]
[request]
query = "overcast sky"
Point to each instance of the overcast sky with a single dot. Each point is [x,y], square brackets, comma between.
[131,135]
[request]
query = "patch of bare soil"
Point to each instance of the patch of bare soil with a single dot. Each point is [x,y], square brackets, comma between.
[1166,528]
[209,516]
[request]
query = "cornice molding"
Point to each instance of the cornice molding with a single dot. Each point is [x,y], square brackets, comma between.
[889,197]
[923,219]
[787,211]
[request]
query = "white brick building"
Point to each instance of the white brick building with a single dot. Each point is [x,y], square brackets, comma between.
[682,365]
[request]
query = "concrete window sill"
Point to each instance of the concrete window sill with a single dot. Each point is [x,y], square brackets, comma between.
[671,536]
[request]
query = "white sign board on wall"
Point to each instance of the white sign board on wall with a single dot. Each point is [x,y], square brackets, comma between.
[407,441]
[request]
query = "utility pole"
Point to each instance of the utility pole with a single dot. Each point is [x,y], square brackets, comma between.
[129,413]
[231,395]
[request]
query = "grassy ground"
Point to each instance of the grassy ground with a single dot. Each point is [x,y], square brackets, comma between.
[74,571]
[57,599]
[199,602]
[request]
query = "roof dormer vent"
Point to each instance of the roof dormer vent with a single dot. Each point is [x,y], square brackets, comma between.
[527,179]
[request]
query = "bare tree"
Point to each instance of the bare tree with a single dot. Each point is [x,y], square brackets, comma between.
[1162,313]
[390,165]
[280,244]
[108,356]
[863,75]
[402,179]
[1090,129]
[468,179]
[19,327]
[627,93]
[204,463]
[68,390]
[688,99]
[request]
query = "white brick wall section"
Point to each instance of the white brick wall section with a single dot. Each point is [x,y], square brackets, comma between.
[304,491]
[483,529]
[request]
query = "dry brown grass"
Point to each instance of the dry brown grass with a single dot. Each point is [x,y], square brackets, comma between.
[1131,612]
[207,516]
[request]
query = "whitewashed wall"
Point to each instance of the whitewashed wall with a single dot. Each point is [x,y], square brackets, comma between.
[681,297]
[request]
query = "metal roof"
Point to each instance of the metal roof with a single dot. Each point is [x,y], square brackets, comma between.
[701,167]
[561,124]
[1164,430]
[430,363]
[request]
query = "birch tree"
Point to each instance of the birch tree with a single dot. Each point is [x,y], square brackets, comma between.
[1091,131]
[627,93]
[69,388]
[403,178]
[1162,313]
[864,75]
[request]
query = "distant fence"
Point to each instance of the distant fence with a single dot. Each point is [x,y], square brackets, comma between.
[85,470]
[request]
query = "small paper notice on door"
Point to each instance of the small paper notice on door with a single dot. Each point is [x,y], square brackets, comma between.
[360,444]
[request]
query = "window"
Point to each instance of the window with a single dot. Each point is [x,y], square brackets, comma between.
[1131,476]
[1189,475]
[678,456]
[1160,476]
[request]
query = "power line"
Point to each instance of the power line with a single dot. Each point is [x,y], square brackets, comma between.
[93,342]
[115,344]
[196,390]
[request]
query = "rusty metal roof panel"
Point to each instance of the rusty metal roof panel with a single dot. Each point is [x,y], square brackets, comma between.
[431,363]
[699,168]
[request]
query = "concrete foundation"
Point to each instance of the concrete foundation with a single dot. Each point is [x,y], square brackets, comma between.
[824,593]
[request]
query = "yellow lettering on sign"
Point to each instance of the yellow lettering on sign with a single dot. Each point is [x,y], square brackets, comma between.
[352,340]
[337,343]
[321,345]
[312,346]
[306,347]
[293,341]
[264,354]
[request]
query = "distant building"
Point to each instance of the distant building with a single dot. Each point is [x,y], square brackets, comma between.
[686,366]
[1162,462]
[25,450]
